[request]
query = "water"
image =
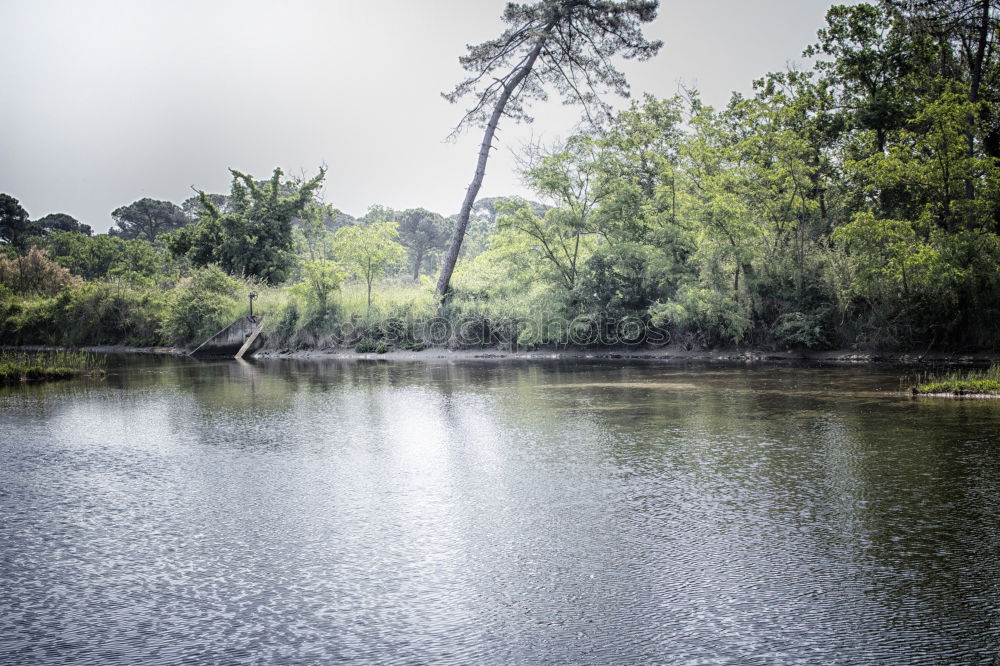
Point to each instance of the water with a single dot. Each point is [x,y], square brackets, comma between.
[304,512]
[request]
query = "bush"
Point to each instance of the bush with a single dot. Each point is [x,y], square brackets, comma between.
[288,324]
[711,318]
[30,322]
[35,274]
[614,281]
[111,313]
[101,256]
[798,330]
[321,321]
[200,306]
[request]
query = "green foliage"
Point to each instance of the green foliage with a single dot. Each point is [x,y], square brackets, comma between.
[711,317]
[369,252]
[968,382]
[104,256]
[287,323]
[616,281]
[17,366]
[193,208]
[15,227]
[320,279]
[109,313]
[56,222]
[560,237]
[200,306]
[147,219]
[253,237]
[424,234]
[30,321]
[34,274]
[312,229]
[799,330]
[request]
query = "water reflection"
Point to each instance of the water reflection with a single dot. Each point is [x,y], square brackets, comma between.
[299,511]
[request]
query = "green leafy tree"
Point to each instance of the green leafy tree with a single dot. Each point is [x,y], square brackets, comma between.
[422,233]
[873,67]
[254,236]
[369,252]
[320,278]
[564,44]
[313,227]
[147,218]
[558,238]
[54,222]
[193,208]
[15,227]
[637,177]
[378,213]
[103,256]
[562,235]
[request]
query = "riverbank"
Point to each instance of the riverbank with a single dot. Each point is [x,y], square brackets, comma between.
[18,366]
[665,354]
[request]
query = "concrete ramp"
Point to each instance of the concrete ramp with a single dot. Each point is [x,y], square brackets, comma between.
[238,340]
[249,344]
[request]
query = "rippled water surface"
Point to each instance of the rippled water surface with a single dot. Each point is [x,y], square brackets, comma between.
[299,512]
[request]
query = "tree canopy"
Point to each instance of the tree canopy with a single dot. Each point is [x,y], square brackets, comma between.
[147,218]
[370,251]
[253,236]
[423,234]
[15,226]
[566,45]
[54,222]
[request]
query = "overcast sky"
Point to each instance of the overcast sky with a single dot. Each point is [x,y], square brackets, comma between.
[106,102]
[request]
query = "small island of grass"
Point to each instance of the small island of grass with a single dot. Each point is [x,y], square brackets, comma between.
[16,366]
[972,382]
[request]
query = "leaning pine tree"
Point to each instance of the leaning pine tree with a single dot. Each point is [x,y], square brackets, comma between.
[563,44]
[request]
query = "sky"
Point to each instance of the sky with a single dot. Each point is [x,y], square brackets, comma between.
[109,101]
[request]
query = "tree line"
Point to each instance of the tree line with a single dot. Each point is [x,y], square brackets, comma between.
[852,203]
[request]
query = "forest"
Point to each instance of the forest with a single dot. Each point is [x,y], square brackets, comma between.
[854,204]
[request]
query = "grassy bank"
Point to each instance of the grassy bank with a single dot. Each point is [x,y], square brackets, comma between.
[16,366]
[960,382]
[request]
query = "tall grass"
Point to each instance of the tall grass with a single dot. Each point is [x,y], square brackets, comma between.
[21,366]
[390,298]
[398,307]
[981,381]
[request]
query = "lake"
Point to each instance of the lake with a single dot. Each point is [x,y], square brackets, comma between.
[473,512]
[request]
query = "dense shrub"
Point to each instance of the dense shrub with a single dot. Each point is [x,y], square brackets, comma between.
[709,317]
[34,274]
[200,305]
[31,321]
[103,256]
[798,330]
[111,313]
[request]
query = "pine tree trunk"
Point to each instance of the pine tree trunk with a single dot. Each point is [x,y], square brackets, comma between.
[458,235]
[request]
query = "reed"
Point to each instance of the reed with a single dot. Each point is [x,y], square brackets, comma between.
[23,366]
[975,381]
